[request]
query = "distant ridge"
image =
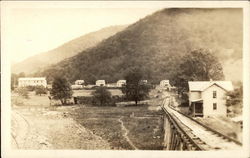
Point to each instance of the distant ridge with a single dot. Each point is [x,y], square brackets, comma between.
[157,44]
[69,49]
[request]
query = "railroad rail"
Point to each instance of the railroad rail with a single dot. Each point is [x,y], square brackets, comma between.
[209,128]
[179,138]
[185,134]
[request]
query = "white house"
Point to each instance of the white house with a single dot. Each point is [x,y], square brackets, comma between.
[32,81]
[164,83]
[144,81]
[120,83]
[207,98]
[100,83]
[79,82]
[111,85]
[76,86]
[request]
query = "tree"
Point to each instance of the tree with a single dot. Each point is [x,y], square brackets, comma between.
[234,97]
[134,89]
[40,90]
[198,65]
[14,80]
[102,95]
[234,101]
[61,89]
[21,74]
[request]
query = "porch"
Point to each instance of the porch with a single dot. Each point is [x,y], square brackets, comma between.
[197,108]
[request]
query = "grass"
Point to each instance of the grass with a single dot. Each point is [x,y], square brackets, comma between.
[143,122]
[223,125]
[108,129]
[32,101]
[143,131]
[88,92]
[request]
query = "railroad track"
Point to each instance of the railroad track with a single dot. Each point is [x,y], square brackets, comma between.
[181,129]
[224,141]
[23,134]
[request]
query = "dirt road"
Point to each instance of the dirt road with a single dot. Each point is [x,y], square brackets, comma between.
[40,128]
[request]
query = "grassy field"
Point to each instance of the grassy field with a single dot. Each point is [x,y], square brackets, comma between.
[144,123]
[88,92]
[33,100]
[146,133]
[145,126]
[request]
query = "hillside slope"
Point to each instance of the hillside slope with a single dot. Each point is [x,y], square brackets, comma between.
[69,49]
[156,44]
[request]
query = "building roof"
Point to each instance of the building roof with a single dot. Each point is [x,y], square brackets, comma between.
[121,81]
[164,80]
[197,100]
[100,81]
[32,78]
[202,85]
[79,81]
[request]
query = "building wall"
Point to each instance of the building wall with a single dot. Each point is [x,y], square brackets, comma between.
[208,101]
[31,82]
[120,83]
[99,83]
[194,95]
[164,83]
[79,82]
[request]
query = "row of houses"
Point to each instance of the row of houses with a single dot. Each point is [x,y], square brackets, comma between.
[119,83]
[206,98]
[41,81]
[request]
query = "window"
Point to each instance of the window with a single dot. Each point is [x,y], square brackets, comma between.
[214,106]
[214,94]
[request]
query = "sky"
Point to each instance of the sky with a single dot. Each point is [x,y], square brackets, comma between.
[34,30]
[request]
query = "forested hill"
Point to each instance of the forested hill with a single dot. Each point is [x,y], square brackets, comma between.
[69,49]
[157,43]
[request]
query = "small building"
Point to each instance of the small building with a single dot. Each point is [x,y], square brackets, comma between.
[76,86]
[111,85]
[165,83]
[144,81]
[32,81]
[208,98]
[100,83]
[120,83]
[79,82]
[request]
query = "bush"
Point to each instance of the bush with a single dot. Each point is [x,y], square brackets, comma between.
[84,100]
[40,90]
[102,97]
[93,101]
[31,88]
[23,91]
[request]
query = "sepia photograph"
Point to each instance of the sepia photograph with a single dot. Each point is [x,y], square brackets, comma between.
[124,76]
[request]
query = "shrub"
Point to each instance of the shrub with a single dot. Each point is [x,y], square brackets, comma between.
[31,88]
[40,90]
[84,100]
[23,91]
[101,97]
